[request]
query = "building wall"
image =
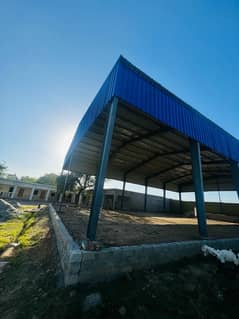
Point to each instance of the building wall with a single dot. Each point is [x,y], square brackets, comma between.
[133,201]
[4,189]
[23,193]
[20,190]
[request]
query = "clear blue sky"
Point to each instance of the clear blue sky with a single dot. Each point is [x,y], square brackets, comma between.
[54,55]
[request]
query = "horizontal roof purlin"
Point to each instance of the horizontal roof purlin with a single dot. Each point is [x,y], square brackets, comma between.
[134,87]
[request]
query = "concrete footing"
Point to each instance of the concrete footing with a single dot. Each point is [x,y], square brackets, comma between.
[90,267]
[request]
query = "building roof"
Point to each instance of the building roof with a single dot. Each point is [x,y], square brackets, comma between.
[151,136]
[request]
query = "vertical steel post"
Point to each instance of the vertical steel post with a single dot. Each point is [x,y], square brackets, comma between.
[219,195]
[14,192]
[145,194]
[235,175]
[102,169]
[57,194]
[198,187]
[122,194]
[164,196]
[180,199]
[65,182]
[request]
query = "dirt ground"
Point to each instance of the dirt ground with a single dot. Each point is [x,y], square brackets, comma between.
[127,228]
[31,286]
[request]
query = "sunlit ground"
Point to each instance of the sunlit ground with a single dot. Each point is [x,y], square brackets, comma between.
[124,228]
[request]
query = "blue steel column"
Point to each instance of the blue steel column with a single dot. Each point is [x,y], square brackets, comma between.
[99,184]
[123,192]
[145,194]
[198,187]
[235,175]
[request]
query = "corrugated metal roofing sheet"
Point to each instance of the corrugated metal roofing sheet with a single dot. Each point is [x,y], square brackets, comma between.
[137,89]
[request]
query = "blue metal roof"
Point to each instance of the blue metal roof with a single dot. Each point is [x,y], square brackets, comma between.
[137,89]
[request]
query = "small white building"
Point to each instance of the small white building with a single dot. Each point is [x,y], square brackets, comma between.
[15,189]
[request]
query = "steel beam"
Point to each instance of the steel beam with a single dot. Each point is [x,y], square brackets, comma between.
[172,180]
[158,155]
[206,179]
[102,169]
[155,156]
[198,187]
[184,164]
[168,170]
[139,138]
[235,175]
[145,194]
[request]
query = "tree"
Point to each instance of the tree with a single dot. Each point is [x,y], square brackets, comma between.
[28,179]
[49,179]
[3,168]
[66,183]
[74,183]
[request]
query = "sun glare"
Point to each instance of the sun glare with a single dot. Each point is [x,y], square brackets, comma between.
[62,141]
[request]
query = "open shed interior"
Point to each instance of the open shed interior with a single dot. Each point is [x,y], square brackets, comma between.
[137,131]
[144,149]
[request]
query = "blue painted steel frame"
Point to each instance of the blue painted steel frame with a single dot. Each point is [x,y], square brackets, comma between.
[198,187]
[99,184]
[135,88]
[235,175]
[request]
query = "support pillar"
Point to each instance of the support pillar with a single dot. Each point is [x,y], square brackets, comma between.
[73,198]
[122,194]
[198,187]
[103,163]
[14,192]
[47,195]
[60,198]
[80,199]
[114,200]
[235,175]
[219,195]
[32,193]
[145,194]
[164,196]
[180,199]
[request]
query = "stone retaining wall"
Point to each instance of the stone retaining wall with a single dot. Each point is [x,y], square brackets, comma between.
[97,266]
[69,251]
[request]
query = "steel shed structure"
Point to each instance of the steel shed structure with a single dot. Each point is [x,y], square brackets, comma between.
[135,130]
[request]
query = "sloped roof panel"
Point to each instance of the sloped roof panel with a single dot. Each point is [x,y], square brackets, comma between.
[135,88]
